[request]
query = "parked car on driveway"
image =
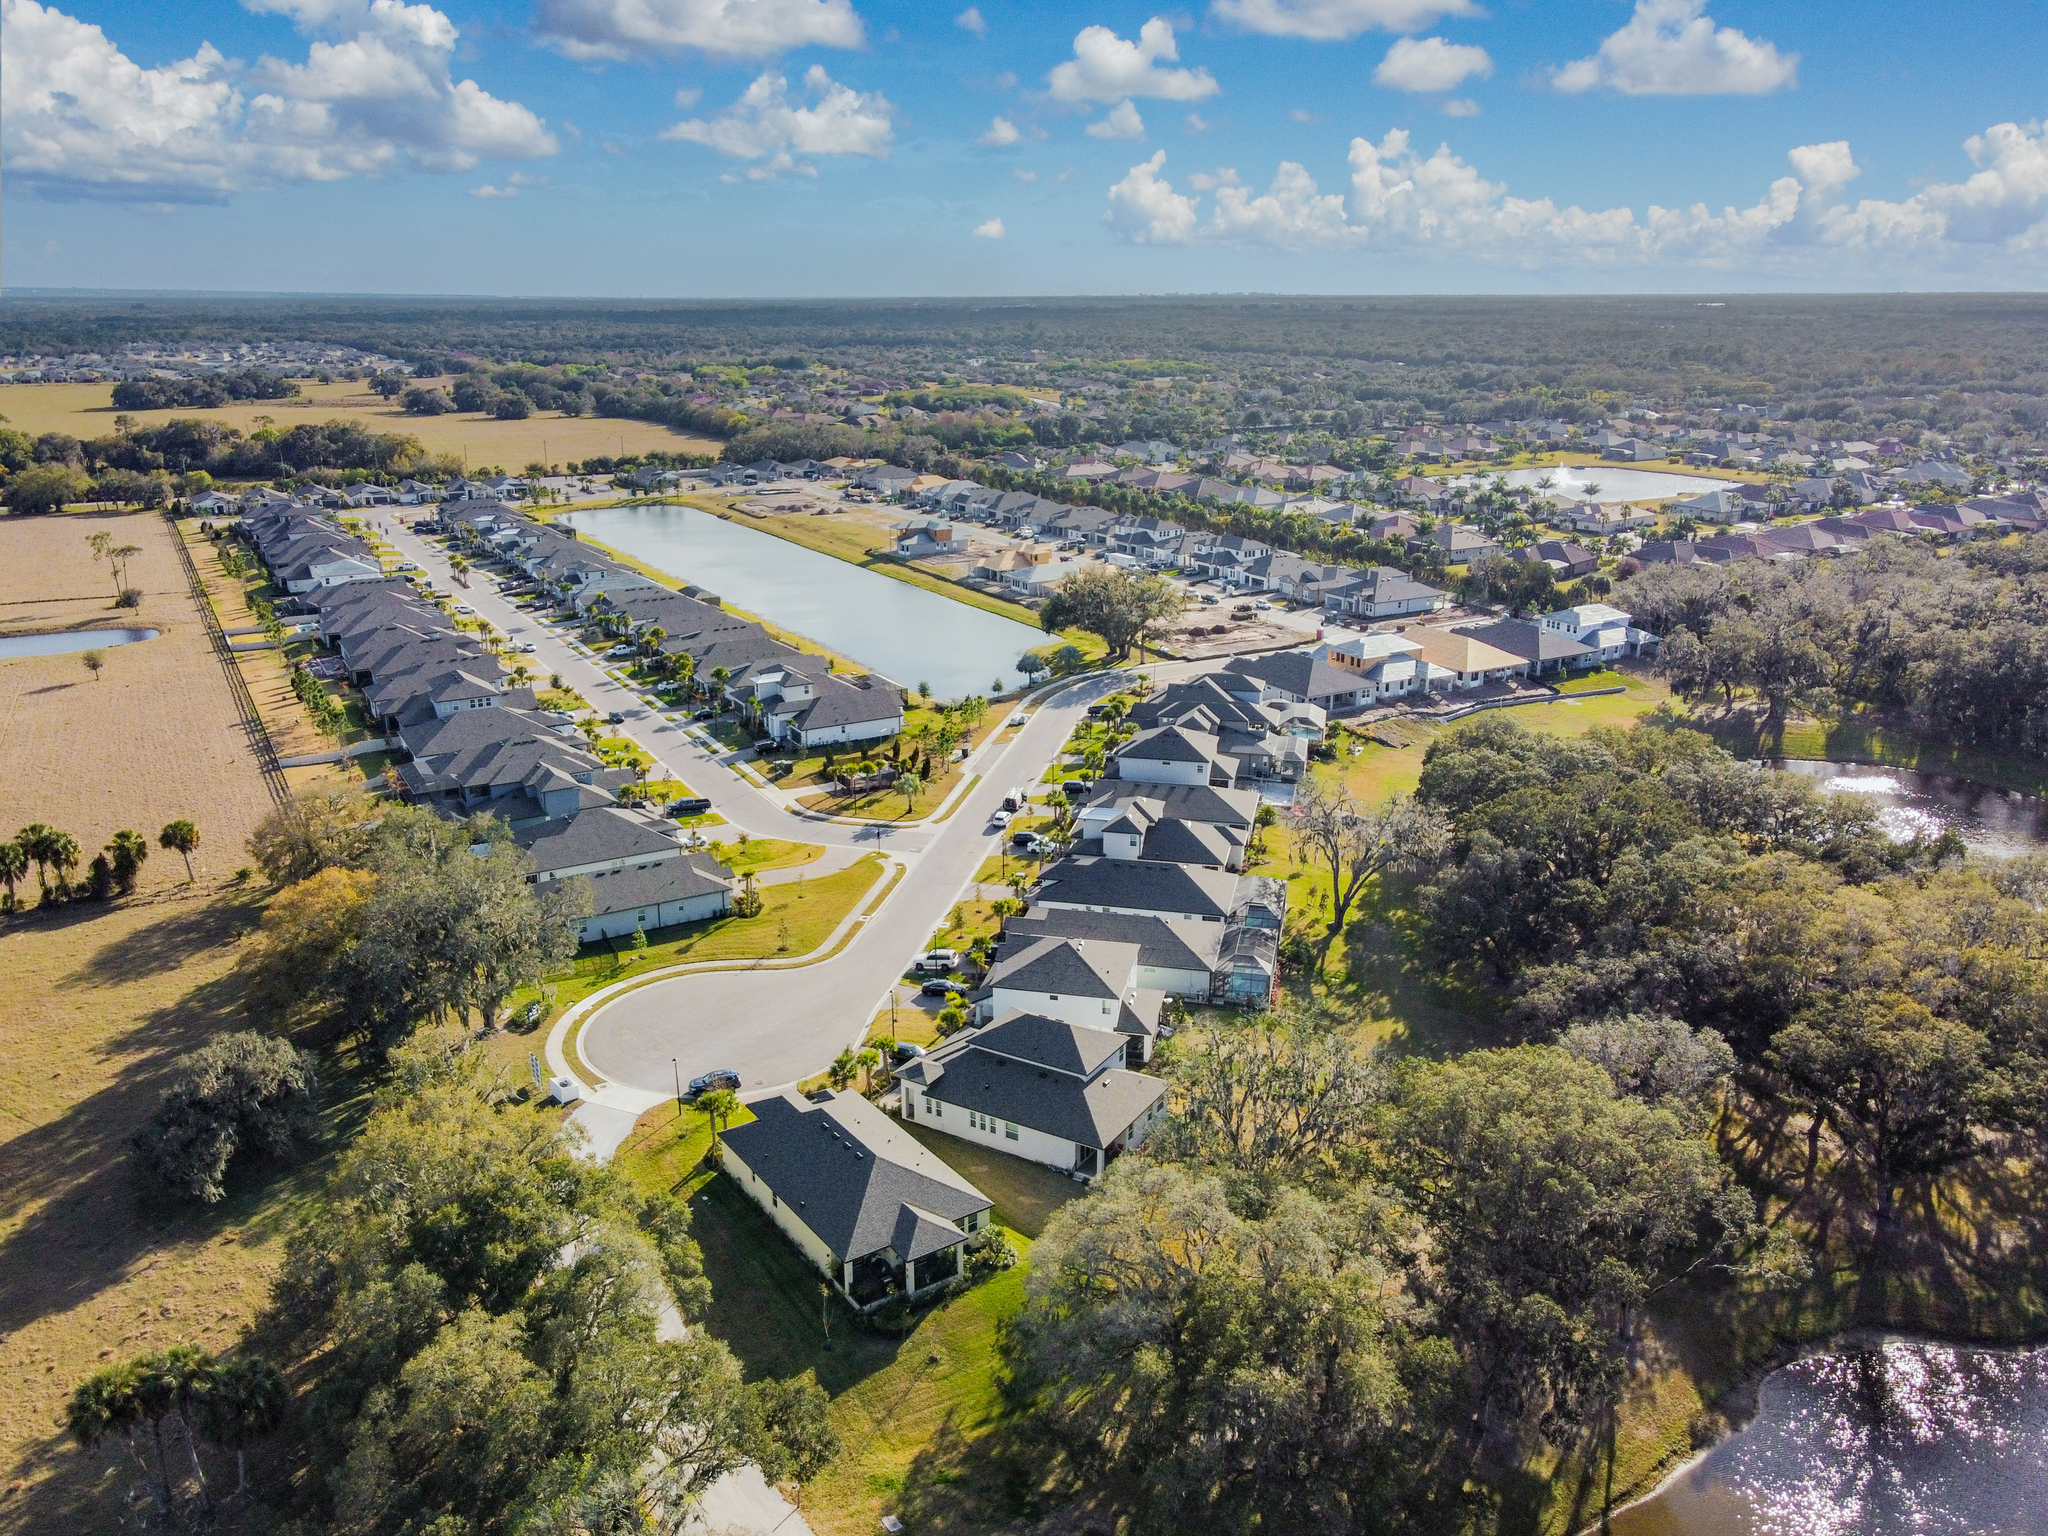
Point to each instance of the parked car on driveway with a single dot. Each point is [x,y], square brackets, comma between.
[711,1082]
[938,986]
[939,960]
[905,1050]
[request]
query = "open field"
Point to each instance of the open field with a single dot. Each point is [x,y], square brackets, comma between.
[87,411]
[156,738]
[102,1000]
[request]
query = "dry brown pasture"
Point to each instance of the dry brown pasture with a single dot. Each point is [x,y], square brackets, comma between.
[101,999]
[101,1002]
[155,738]
[87,411]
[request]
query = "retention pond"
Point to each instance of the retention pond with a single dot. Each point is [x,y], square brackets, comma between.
[63,642]
[908,634]
[1899,1438]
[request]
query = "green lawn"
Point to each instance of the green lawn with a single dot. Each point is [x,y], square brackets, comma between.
[794,919]
[909,1410]
[758,854]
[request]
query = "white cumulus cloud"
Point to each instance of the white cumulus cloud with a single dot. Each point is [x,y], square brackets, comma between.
[765,125]
[1431,64]
[731,29]
[1001,133]
[1147,211]
[1327,21]
[1672,48]
[1107,68]
[992,230]
[1122,122]
[1401,199]
[79,118]
[971,20]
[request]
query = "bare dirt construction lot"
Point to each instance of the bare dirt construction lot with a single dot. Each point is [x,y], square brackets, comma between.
[156,737]
[87,411]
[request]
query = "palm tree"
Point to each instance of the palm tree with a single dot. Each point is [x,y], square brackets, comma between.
[106,1403]
[910,783]
[62,851]
[867,1061]
[184,837]
[35,840]
[120,557]
[719,678]
[128,850]
[843,1069]
[651,638]
[13,865]
[721,1104]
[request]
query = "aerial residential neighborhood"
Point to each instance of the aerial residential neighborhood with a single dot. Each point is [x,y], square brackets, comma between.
[814,767]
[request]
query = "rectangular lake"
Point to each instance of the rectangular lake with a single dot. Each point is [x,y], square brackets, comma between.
[905,633]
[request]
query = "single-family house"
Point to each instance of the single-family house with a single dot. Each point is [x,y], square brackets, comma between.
[878,1214]
[1603,629]
[1038,1088]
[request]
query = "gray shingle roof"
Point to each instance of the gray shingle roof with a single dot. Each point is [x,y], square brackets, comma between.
[1188,802]
[1168,889]
[847,1172]
[591,837]
[1169,944]
[991,1070]
[679,879]
[1532,642]
[1067,968]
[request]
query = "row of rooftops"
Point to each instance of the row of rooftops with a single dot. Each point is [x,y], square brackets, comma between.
[1853,531]
[472,742]
[789,691]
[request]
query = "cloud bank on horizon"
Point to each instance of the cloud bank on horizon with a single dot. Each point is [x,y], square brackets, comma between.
[891,117]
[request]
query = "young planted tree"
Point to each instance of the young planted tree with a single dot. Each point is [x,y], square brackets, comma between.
[910,783]
[721,1104]
[182,836]
[94,662]
[845,1067]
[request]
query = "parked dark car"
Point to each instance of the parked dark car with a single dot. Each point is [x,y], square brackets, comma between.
[705,714]
[691,805]
[938,986]
[904,1050]
[711,1082]
[616,718]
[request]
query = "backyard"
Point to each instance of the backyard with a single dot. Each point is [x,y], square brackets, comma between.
[909,1410]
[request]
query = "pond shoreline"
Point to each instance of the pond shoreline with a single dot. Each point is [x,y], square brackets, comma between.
[1737,1407]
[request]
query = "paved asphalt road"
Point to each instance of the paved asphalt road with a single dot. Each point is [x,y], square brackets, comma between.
[776,1027]
[681,754]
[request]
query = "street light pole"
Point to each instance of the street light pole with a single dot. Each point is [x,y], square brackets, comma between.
[679,1083]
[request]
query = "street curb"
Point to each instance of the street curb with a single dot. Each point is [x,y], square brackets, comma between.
[579,1014]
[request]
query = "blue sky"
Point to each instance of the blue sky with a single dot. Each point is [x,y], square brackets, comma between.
[849,147]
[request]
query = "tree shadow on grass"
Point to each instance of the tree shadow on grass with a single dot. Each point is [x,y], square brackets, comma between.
[92,1222]
[1004,1479]
[172,941]
[766,1302]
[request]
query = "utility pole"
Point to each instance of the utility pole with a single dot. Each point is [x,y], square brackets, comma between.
[679,1083]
